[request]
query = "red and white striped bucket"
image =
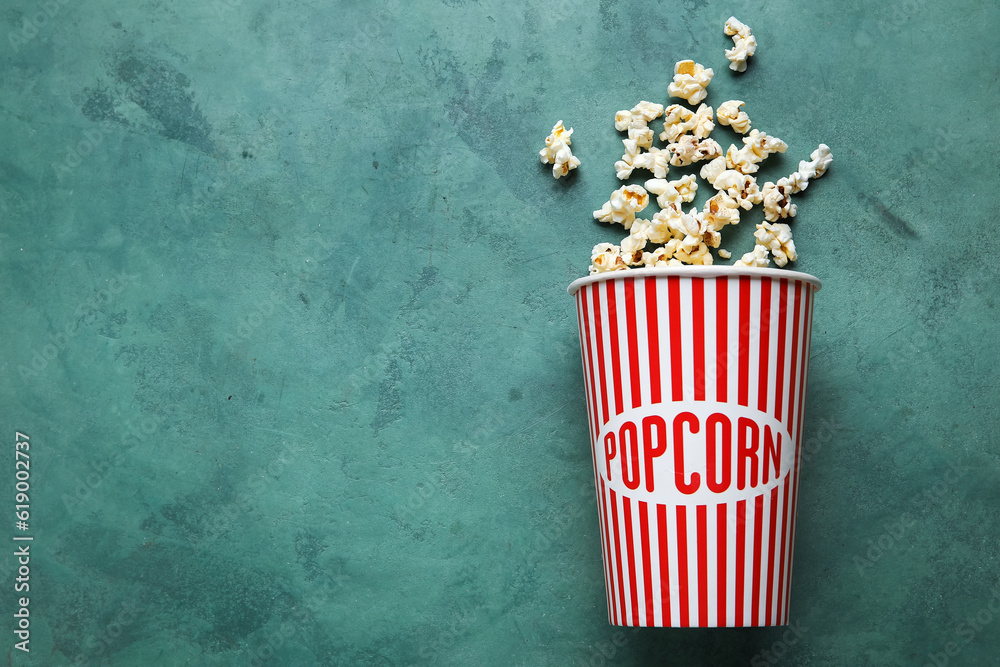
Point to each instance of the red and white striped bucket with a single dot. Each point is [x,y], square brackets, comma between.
[696,381]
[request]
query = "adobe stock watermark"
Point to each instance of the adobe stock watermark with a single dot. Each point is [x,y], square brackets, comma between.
[35,22]
[98,646]
[85,146]
[966,632]
[893,532]
[780,648]
[85,315]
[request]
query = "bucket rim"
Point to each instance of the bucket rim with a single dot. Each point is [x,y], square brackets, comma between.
[712,271]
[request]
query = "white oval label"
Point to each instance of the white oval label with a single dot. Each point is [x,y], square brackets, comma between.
[694,453]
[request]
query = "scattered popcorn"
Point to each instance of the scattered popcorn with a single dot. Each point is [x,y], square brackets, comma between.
[670,194]
[624,203]
[729,114]
[744,44]
[678,120]
[741,187]
[690,81]
[778,239]
[756,258]
[606,257]
[688,149]
[724,254]
[775,197]
[637,120]
[711,171]
[719,211]
[557,151]
[821,159]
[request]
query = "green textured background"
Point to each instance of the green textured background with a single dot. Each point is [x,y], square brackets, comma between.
[284,314]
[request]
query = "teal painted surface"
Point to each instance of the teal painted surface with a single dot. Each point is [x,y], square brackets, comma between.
[284,316]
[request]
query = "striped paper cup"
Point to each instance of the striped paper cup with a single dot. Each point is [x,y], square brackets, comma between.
[696,381]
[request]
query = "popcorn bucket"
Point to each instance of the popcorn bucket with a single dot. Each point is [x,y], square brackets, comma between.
[696,381]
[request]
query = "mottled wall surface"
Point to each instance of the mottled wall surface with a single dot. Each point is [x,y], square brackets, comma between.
[284,316]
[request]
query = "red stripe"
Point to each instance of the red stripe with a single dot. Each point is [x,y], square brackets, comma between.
[652,321]
[806,345]
[633,342]
[771,552]
[780,371]
[698,315]
[796,336]
[682,565]
[618,556]
[608,563]
[722,336]
[765,343]
[781,557]
[720,538]
[630,548]
[702,521]
[584,350]
[661,532]
[674,301]
[744,360]
[616,362]
[741,549]
[596,293]
[758,529]
[647,566]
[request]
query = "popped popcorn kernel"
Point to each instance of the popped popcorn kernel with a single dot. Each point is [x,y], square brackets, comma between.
[777,201]
[636,121]
[729,113]
[557,151]
[778,239]
[711,171]
[670,194]
[659,257]
[762,145]
[820,160]
[741,187]
[679,120]
[690,81]
[670,223]
[744,44]
[719,211]
[623,204]
[757,258]
[689,149]
[724,254]
[606,257]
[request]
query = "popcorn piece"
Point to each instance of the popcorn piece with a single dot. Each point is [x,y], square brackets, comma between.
[762,145]
[724,254]
[624,167]
[636,122]
[741,187]
[744,44]
[756,258]
[688,149]
[690,81]
[662,256]
[821,158]
[632,245]
[670,194]
[711,171]
[557,151]
[698,254]
[671,223]
[678,120]
[606,257]
[729,114]
[778,239]
[719,211]
[624,203]
[777,203]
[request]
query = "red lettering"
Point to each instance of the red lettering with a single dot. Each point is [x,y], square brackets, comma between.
[649,449]
[714,484]
[682,485]
[747,452]
[609,452]
[632,452]
[772,453]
